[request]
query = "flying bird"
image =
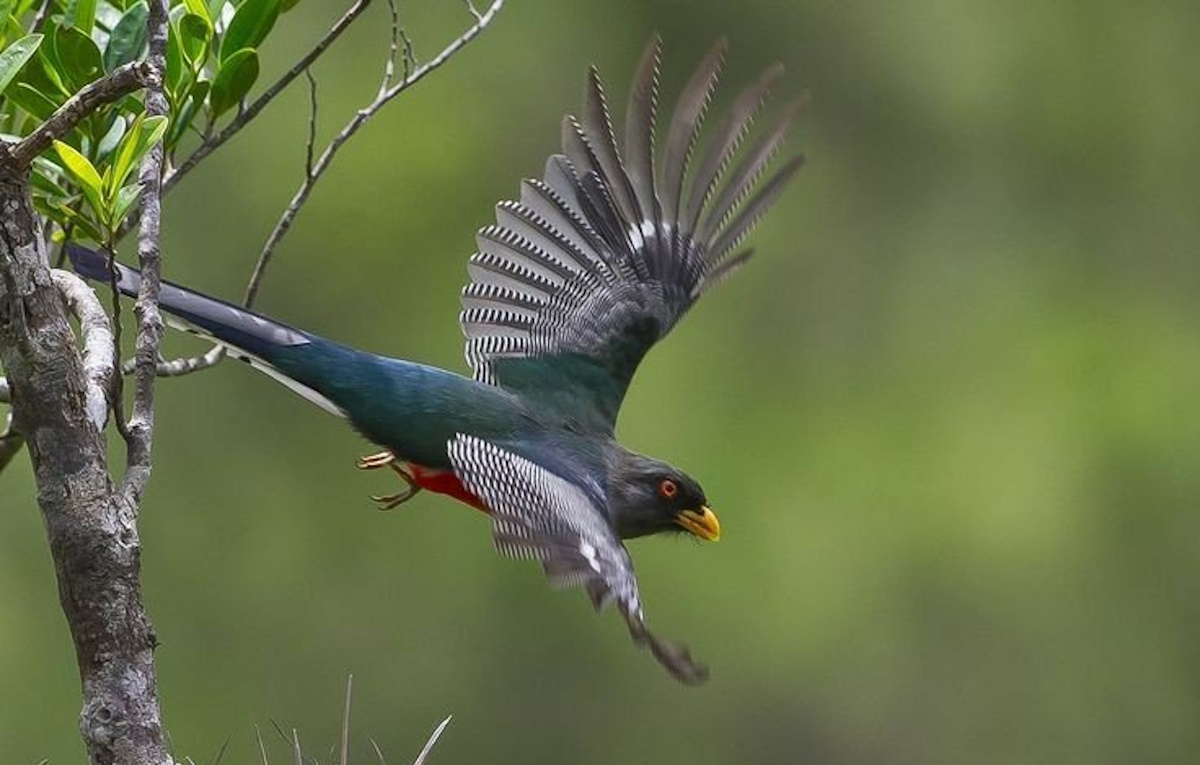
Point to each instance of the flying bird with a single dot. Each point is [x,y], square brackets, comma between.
[568,290]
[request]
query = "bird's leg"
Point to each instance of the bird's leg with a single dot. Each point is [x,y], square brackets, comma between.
[387,459]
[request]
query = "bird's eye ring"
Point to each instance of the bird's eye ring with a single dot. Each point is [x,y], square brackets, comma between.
[668,488]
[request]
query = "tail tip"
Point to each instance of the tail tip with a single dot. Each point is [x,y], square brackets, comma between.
[87,262]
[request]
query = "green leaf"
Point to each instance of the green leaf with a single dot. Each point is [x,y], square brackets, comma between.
[34,73]
[125,199]
[175,69]
[65,214]
[183,118]
[52,69]
[81,14]
[127,156]
[233,81]
[15,56]
[32,100]
[83,172]
[153,129]
[198,8]
[45,177]
[128,37]
[112,138]
[13,28]
[249,27]
[199,91]
[143,133]
[194,35]
[77,55]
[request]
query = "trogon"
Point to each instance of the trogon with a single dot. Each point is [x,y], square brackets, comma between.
[569,289]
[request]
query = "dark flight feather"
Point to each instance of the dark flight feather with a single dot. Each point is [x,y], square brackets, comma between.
[602,256]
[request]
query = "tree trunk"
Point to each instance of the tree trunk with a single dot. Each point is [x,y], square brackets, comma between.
[91,525]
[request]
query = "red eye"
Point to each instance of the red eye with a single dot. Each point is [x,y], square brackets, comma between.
[668,488]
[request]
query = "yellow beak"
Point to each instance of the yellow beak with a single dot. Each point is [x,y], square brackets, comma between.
[703,523]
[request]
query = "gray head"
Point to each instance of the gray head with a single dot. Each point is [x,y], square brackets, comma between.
[648,496]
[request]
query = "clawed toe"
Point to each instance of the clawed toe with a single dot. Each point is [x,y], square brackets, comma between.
[389,501]
[387,459]
[373,461]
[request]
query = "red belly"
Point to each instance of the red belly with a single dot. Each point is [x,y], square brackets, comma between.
[442,481]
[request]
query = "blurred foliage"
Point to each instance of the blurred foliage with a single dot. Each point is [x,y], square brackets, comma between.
[946,416]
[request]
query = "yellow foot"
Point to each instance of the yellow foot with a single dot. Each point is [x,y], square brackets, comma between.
[387,459]
[389,501]
[373,461]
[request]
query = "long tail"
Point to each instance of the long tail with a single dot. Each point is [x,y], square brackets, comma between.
[289,355]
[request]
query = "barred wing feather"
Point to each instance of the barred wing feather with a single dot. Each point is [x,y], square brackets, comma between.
[602,256]
[541,516]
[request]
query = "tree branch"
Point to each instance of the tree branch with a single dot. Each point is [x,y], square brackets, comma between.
[250,112]
[98,348]
[387,92]
[140,429]
[112,87]
[98,360]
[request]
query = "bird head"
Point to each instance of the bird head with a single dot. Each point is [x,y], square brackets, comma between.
[648,496]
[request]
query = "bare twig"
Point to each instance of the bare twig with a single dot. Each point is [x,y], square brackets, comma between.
[5,391]
[149,321]
[240,121]
[41,15]
[112,87]
[410,53]
[182,366]
[474,12]
[312,124]
[97,337]
[386,94]
[389,67]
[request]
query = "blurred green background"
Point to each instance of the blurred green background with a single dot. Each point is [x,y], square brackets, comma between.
[947,417]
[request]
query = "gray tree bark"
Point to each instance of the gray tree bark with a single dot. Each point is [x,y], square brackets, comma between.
[90,524]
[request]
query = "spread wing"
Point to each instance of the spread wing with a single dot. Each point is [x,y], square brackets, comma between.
[538,515]
[602,256]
